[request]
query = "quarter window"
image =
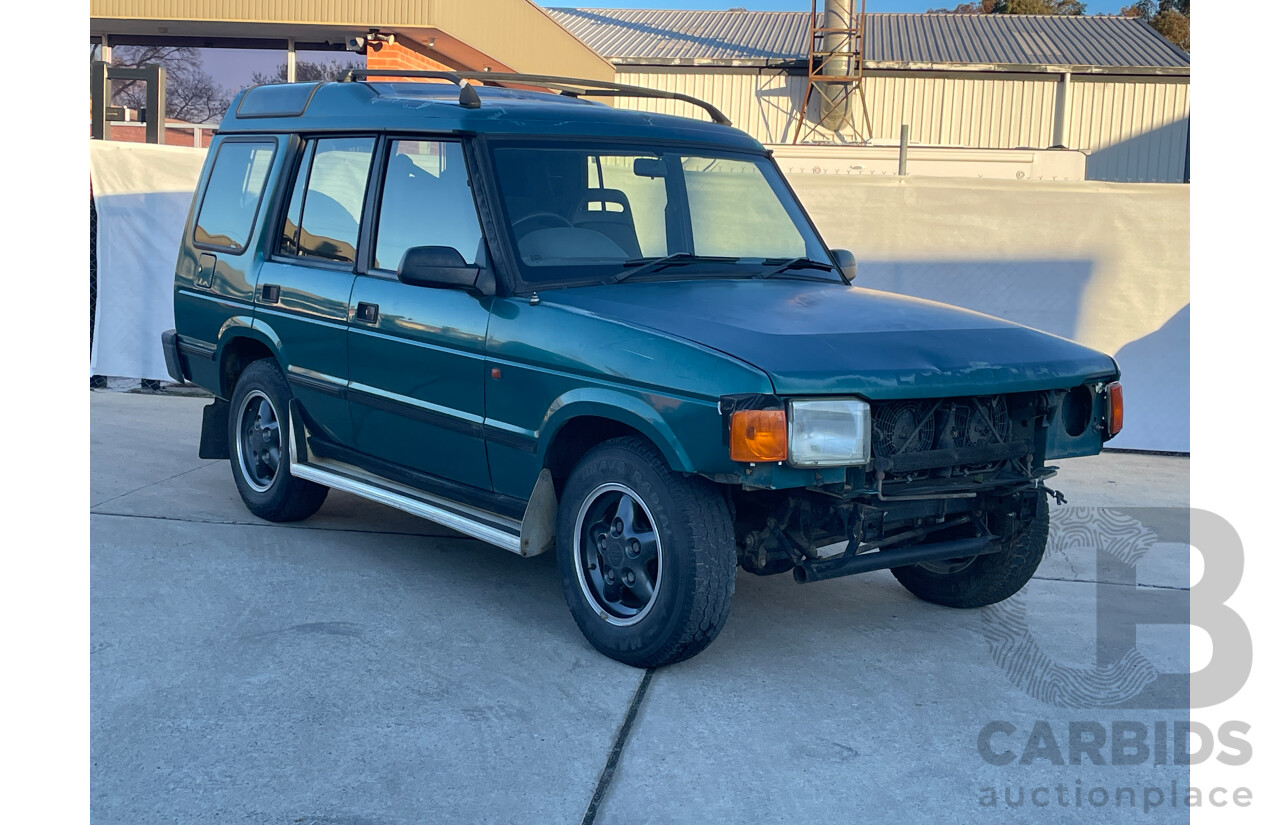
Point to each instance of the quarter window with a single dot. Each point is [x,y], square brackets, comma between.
[426,201]
[232,195]
[323,218]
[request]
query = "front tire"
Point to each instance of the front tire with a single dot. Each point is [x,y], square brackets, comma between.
[258,440]
[982,580]
[647,556]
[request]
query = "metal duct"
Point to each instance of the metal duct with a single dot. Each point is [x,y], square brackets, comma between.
[834,107]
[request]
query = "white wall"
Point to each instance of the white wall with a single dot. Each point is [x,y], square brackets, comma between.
[1105,264]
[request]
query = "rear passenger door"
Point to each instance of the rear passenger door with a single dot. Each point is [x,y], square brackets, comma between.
[215,273]
[304,288]
[417,353]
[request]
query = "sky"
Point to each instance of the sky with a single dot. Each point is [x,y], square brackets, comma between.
[234,69]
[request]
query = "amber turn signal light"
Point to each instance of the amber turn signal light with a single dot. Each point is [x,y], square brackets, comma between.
[758,435]
[1115,407]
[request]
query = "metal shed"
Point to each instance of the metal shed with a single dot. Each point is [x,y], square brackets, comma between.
[1110,86]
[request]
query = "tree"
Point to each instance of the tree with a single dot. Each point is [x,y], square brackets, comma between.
[1172,18]
[190,94]
[307,72]
[1069,7]
[1175,26]
[979,7]
[1146,9]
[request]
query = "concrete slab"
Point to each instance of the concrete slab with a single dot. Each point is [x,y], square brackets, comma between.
[1116,479]
[255,674]
[849,701]
[364,666]
[137,440]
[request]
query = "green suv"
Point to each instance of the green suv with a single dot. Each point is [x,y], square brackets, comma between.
[551,324]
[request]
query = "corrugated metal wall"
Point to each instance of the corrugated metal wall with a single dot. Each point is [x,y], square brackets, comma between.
[975,111]
[762,104]
[1135,129]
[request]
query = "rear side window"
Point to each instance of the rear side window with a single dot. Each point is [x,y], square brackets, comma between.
[233,194]
[323,218]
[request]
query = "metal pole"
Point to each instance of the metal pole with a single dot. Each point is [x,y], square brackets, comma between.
[1060,106]
[1186,157]
[902,149]
[99,94]
[155,102]
[291,63]
[104,53]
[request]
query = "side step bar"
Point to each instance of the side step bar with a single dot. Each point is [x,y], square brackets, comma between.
[488,527]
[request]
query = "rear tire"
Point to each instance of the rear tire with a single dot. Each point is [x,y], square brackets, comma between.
[647,556]
[258,440]
[984,580]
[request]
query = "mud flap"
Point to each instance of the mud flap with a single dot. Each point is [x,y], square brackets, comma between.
[538,529]
[213,430]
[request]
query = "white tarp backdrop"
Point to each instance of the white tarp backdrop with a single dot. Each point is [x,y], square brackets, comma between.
[1103,264]
[142,194]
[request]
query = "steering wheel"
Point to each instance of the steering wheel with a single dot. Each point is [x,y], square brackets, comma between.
[560,220]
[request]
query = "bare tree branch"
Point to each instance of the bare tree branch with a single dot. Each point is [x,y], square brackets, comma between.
[190,93]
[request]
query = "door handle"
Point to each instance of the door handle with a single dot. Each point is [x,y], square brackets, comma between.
[270,293]
[367,312]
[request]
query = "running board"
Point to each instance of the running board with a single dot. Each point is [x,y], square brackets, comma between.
[491,528]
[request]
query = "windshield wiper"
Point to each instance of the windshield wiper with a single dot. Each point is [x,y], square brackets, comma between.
[796,263]
[647,265]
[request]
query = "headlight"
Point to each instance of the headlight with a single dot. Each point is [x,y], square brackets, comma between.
[829,432]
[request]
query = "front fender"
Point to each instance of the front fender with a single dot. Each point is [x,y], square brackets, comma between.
[626,409]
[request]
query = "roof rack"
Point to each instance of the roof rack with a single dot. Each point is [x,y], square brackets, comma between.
[567,86]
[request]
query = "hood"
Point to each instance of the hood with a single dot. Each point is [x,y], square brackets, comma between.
[818,339]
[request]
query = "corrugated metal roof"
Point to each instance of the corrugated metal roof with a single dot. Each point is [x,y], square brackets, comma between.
[1010,39]
[689,35]
[640,35]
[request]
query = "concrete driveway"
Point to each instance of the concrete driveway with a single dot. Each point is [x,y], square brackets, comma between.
[367,667]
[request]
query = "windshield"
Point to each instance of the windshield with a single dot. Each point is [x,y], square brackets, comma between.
[595,213]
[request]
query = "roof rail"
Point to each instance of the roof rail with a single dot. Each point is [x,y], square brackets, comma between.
[567,86]
[467,97]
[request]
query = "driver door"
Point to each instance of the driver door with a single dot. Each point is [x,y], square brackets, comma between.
[417,353]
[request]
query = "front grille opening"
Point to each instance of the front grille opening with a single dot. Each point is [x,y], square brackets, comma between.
[901,428]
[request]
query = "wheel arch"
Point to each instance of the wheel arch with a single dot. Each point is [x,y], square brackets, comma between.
[575,427]
[237,349]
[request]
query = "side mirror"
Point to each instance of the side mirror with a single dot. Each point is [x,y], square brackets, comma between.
[443,267]
[847,263]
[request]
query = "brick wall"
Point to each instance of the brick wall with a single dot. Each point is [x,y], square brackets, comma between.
[404,54]
[173,135]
